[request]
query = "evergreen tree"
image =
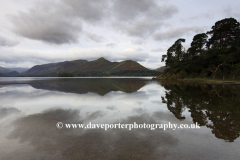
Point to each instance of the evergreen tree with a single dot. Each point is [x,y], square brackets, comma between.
[224,33]
[197,45]
[174,53]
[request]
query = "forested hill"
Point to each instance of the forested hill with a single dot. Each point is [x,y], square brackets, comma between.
[214,54]
[99,67]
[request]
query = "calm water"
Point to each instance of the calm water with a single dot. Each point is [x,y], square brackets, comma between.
[29,113]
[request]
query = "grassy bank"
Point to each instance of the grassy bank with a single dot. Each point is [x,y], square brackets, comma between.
[205,80]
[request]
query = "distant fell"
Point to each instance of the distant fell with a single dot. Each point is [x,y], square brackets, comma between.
[100,66]
[4,70]
[127,65]
[12,74]
[2,75]
[18,69]
[161,69]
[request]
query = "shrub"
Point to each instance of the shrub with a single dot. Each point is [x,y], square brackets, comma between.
[65,74]
[182,74]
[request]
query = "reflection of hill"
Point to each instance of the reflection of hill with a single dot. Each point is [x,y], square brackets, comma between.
[100,86]
[214,106]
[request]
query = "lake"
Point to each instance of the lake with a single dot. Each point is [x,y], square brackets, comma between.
[38,115]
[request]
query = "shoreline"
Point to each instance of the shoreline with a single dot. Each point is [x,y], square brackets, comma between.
[6,83]
[204,81]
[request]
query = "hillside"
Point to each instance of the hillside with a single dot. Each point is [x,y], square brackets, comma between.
[4,70]
[161,69]
[99,67]
[2,75]
[127,65]
[12,74]
[18,69]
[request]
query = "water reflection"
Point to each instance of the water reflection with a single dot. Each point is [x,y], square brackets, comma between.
[38,130]
[100,86]
[214,106]
[29,113]
[4,112]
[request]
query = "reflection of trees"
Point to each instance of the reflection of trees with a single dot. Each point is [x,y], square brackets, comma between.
[223,125]
[214,106]
[100,86]
[174,105]
[51,143]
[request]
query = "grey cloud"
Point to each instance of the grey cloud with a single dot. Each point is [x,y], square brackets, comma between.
[176,33]
[94,37]
[228,11]
[131,9]
[138,41]
[157,102]
[139,110]
[5,42]
[139,28]
[111,45]
[139,49]
[203,15]
[160,49]
[112,108]
[135,56]
[60,22]
[50,28]
[12,58]
[141,17]
[90,11]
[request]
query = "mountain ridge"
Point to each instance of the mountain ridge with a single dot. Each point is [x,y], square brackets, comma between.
[100,66]
[4,70]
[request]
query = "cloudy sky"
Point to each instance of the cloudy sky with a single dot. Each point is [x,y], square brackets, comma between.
[41,31]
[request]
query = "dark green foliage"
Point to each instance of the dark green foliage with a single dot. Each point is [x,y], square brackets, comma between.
[182,74]
[174,53]
[92,74]
[224,33]
[65,74]
[136,73]
[216,57]
[120,73]
[197,45]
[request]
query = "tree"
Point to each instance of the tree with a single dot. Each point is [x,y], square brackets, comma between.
[197,45]
[224,33]
[174,53]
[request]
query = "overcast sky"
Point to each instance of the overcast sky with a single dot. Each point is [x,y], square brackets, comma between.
[42,31]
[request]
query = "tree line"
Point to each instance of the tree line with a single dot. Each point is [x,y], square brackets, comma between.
[105,74]
[215,53]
